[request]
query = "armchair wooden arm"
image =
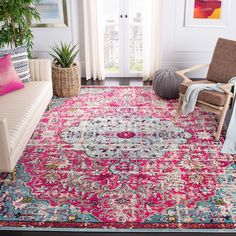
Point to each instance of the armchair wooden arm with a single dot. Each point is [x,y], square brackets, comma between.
[227,88]
[191,69]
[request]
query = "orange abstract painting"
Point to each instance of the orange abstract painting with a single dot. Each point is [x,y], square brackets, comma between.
[207,9]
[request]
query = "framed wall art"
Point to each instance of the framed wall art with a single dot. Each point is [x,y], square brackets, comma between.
[53,13]
[206,13]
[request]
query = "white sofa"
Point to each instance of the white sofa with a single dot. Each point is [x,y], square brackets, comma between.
[20,112]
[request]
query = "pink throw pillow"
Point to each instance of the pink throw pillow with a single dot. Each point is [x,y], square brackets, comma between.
[9,79]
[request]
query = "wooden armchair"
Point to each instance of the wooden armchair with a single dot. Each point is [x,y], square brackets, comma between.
[221,70]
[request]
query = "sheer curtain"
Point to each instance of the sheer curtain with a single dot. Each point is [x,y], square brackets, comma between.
[152,38]
[93,37]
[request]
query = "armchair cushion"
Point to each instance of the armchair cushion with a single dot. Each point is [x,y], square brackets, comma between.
[212,97]
[223,64]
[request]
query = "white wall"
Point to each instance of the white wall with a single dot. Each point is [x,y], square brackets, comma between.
[184,46]
[181,46]
[45,37]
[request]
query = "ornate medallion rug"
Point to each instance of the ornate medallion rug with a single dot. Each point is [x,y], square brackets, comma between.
[114,158]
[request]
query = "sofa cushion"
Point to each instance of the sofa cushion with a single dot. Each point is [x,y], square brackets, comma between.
[9,80]
[19,57]
[212,97]
[19,108]
[223,64]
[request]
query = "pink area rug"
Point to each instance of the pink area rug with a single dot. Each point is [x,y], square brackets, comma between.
[114,158]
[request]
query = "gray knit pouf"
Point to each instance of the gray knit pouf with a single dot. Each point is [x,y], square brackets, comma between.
[166,84]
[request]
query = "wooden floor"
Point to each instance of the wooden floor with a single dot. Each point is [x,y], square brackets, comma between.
[109,82]
[117,82]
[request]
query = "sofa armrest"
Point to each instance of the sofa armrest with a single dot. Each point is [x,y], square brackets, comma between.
[5,161]
[40,69]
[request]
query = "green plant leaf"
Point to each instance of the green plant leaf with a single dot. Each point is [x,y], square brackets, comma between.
[64,54]
[16,16]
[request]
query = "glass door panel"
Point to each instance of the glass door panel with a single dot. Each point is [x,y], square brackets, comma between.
[111,36]
[136,17]
[123,37]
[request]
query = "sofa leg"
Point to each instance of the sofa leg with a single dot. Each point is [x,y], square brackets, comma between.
[49,107]
[13,175]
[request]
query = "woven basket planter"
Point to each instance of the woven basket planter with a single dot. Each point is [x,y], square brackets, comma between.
[66,81]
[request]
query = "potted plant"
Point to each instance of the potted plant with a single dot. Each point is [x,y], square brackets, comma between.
[15,18]
[65,72]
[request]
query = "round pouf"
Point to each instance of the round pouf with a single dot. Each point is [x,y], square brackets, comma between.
[166,84]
